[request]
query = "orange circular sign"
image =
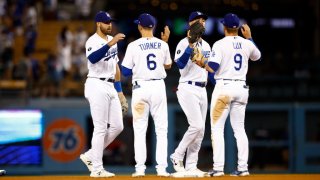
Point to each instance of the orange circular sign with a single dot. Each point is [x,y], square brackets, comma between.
[64,140]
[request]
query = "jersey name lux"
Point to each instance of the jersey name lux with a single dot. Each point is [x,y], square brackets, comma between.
[237,45]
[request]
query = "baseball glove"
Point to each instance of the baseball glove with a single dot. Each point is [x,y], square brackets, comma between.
[198,58]
[124,104]
[196,30]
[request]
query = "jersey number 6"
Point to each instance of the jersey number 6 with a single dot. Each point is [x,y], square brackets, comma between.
[152,65]
[238,60]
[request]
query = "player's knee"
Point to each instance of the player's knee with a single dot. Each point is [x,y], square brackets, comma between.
[99,131]
[217,130]
[197,127]
[238,128]
[239,131]
[120,128]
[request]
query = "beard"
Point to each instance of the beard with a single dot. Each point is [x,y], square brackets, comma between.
[106,31]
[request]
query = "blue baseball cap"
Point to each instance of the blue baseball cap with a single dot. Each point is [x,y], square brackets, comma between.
[146,20]
[102,16]
[231,21]
[196,15]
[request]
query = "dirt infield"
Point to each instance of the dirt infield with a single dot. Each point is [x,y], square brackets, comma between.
[151,177]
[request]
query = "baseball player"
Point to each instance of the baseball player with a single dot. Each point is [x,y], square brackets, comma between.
[192,97]
[229,60]
[103,91]
[146,60]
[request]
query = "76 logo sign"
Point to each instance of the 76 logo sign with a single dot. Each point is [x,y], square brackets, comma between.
[64,140]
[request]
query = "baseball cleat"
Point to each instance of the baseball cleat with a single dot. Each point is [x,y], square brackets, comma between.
[195,173]
[191,173]
[2,172]
[214,173]
[86,161]
[240,173]
[163,174]
[102,173]
[138,174]
[180,174]
[177,164]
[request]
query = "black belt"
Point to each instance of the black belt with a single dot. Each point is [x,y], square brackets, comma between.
[135,84]
[109,80]
[200,84]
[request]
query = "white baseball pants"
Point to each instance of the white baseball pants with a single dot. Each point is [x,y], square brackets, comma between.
[150,96]
[194,103]
[106,115]
[229,97]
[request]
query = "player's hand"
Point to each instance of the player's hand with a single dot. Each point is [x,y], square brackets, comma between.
[124,103]
[245,30]
[118,37]
[208,68]
[198,58]
[165,34]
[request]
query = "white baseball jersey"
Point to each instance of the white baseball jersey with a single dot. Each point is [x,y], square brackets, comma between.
[230,96]
[106,67]
[235,52]
[194,103]
[104,102]
[146,57]
[192,72]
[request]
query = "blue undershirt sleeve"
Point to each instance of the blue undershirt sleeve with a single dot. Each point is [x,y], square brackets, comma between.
[98,54]
[126,71]
[252,41]
[211,78]
[214,66]
[183,60]
[255,45]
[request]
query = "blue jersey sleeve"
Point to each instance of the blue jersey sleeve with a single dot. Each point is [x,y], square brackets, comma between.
[126,71]
[98,54]
[183,60]
[213,65]
[211,78]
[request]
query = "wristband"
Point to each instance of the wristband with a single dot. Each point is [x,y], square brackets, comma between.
[117,86]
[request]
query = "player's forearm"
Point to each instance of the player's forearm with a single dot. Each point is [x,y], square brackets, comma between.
[98,54]
[117,77]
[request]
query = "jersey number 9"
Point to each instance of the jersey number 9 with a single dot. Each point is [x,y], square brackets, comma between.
[152,65]
[238,60]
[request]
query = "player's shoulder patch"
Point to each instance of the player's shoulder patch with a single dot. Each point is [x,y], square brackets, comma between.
[89,49]
[179,51]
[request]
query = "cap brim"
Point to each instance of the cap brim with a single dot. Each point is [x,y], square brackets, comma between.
[136,21]
[110,20]
[205,17]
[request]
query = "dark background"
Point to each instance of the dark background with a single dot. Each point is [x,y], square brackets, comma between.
[289,67]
